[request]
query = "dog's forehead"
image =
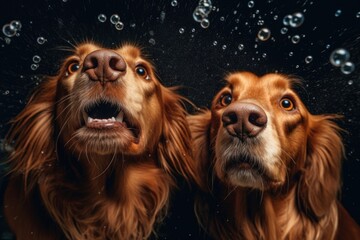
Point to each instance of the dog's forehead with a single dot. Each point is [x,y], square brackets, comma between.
[245,81]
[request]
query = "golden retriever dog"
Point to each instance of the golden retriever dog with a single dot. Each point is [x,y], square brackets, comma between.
[271,169]
[97,150]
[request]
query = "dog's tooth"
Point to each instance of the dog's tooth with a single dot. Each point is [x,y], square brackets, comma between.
[113,119]
[90,119]
[120,117]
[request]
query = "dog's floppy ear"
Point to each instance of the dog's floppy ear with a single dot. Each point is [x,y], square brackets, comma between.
[320,181]
[32,130]
[200,132]
[174,149]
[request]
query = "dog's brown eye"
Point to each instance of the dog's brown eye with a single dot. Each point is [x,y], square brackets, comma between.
[287,104]
[141,71]
[73,67]
[225,99]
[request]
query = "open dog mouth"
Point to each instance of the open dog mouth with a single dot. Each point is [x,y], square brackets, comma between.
[104,114]
[244,163]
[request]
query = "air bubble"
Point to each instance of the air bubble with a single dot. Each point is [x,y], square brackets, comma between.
[284,30]
[338,13]
[358,15]
[295,39]
[174,3]
[308,59]
[350,82]
[251,4]
[347,68]
[215,43]
[102,18]
[339,56]
[291,54]
[34,66]
[287,19]
[224,47]
[36,59]
[297,20]
[114,19]
[152,41]
[264,34]
[205,23]
[241,47]
[119,26]
[41,40]
[8,30]
[181,30]
[16,25]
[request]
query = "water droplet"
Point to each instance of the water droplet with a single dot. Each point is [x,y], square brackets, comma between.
[222,18]
[119,26]
[41,40]
[297,20]
[181,30]
[347,68]
[358,15]
[197,15]
[8,30]
[260,22]
[287,19]
[215,43]
[34,66]
[327,46]
[308,59]
[291,54]
[224,47]
[338,13]
[339,56]
[284,30]
[295,39]
[36,59]
[114,19]
[264,55]
[174,3]
[102,18]
[251,4]
[152,41]
[16,25]
[205,23]
[7,40]
[276,17]
[350,82]
[241,47]
[264,34]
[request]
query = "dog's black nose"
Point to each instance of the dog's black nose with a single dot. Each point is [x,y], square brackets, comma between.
[104,65]
[244,120]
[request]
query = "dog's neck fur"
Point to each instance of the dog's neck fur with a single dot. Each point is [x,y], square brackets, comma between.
[108,207]
[252,214]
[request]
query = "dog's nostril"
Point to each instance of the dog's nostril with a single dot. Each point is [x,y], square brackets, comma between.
[117,64]
[258,119]
[229,118]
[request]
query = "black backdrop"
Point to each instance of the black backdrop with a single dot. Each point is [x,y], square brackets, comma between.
[198,58]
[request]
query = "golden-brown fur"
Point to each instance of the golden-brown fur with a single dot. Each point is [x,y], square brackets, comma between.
[71,181]
[288,189]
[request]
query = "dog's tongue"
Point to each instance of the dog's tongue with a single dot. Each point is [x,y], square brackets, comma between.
[245,165]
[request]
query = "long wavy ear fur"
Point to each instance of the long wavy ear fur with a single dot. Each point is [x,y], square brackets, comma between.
[320,182]
[200,130]
[174,150]
[31,132]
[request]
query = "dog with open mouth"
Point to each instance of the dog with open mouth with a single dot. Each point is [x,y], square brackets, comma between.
[97,150]
[271,169]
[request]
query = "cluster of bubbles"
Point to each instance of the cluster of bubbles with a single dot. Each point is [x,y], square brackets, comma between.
[294,20]
[12,29]
[114,19]
[340,58]
[36,60]
[201,13]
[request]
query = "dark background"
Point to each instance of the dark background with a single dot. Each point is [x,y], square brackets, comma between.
[192,60]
